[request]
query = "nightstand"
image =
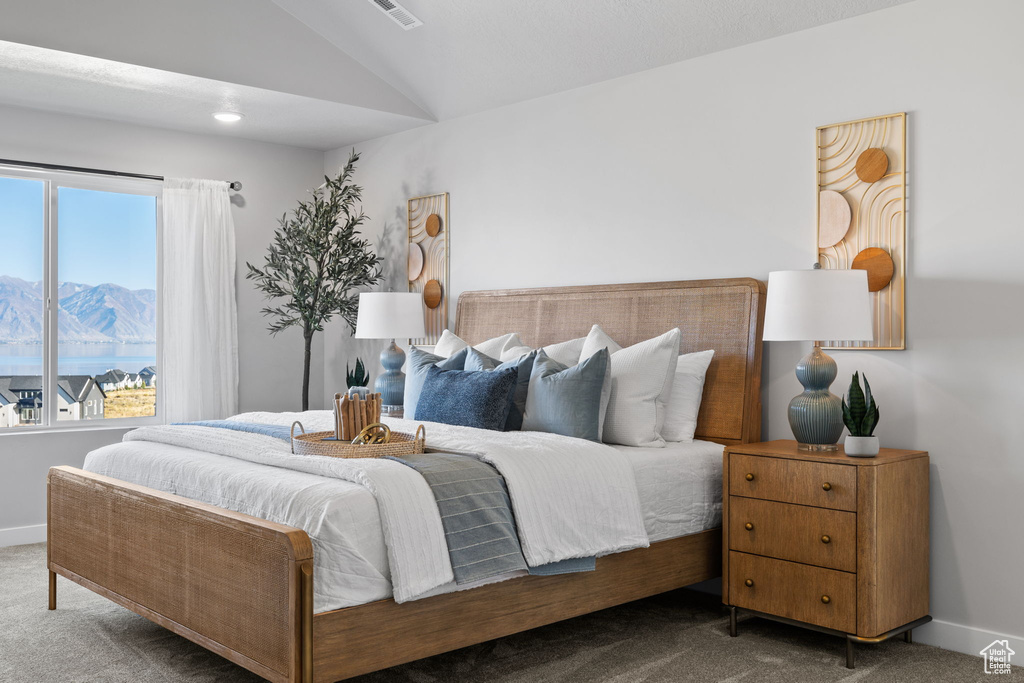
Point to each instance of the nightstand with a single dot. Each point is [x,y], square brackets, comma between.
[826,541]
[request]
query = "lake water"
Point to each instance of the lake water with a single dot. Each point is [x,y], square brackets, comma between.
[77,359]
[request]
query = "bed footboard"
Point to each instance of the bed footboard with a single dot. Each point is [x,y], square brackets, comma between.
[237,585]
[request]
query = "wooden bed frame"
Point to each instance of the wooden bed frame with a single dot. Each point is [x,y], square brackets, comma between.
[243,587]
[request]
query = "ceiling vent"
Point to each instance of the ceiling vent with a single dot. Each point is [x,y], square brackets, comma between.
[398,14]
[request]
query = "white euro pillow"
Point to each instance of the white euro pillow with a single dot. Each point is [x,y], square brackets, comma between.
[449,344]
[641,383]
[567,353]
[685,396]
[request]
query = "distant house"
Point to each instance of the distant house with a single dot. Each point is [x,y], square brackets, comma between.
[113,380]
[78,398]
[9,415]
[135,381]
[148,375]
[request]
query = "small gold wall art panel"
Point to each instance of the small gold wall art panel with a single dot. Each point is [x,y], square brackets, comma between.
[862,216]
[428,261]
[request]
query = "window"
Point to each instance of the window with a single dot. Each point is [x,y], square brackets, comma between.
[78,299]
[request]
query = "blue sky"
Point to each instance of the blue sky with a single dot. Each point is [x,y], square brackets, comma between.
[102,236]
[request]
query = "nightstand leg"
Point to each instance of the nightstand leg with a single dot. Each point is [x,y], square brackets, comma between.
[53,591]
[732,622]
[849,652]
[908,637]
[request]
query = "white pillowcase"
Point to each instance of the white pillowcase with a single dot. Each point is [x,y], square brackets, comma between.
[641,384]
[449,344]
[684,399]
[567,353]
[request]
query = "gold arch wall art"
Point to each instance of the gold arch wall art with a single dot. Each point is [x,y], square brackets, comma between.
[862,216]
[428,260]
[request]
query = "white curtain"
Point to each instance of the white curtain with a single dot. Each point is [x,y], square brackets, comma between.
[199,327]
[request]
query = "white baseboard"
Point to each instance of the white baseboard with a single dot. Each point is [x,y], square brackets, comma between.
[20,535]
[960,638]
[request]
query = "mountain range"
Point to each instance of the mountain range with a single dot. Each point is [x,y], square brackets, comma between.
[86,313]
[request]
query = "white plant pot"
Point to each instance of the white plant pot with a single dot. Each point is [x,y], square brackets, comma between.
[861,446]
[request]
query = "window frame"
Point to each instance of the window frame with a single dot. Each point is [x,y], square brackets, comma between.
[52,181]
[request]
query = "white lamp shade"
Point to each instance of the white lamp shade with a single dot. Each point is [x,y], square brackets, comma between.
[390,315]
[818,305]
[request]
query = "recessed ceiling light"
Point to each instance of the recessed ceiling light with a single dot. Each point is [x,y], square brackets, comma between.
[227,116]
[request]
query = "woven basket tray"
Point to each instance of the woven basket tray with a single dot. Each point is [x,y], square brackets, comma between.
[313,444]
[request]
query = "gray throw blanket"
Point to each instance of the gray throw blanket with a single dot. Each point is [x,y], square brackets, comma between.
[477,517]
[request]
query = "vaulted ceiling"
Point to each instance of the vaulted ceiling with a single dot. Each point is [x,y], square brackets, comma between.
[328,73]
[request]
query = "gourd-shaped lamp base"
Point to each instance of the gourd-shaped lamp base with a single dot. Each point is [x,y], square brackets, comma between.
[391,383]
[816,416]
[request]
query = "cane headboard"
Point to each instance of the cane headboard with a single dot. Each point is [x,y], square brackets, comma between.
[725,315]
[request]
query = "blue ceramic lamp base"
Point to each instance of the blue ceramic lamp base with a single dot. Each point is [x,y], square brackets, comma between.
[816,416]
[391,383]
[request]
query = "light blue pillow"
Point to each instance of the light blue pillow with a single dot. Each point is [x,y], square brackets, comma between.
[568,400]
[470,399]
[416,373]
[476,362]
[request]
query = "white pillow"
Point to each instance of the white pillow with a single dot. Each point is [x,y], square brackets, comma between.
[449,344]
[595,341]
[567,353]
[515,353]
[641,384]
[684,399]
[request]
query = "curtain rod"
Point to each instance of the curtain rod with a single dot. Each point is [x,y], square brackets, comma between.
[235,185]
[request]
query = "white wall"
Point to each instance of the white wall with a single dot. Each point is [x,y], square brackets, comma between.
[273,178]
[706,169]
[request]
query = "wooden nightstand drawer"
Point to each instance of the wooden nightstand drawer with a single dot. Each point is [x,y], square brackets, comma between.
[824,597]
[826,538]
[803,482]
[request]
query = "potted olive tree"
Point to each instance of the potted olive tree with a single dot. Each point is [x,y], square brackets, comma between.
[318,263]
[861,416]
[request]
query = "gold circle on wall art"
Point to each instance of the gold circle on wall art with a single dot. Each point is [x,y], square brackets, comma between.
[432,294]
[833,218]
[872,164]
[433,224]
[415,261]
[879,265]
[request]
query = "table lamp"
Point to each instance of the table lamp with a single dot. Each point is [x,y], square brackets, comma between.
[390,315]
[815,305]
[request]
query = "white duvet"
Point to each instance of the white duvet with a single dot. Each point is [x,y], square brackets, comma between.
[572,498]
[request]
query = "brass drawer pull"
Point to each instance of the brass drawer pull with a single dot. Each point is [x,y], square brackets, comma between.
[825,599]
[749,583]
[826,486]
[748,526]
[826,539]
[750,477]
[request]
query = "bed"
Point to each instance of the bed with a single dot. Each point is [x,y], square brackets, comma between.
[243,586]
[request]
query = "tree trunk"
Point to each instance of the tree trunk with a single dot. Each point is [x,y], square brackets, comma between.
[307,335]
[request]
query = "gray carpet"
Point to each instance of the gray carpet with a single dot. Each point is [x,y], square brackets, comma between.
[679,636]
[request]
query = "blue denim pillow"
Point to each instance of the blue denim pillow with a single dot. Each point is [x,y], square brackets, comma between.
[416,373]
[469,399]
[568,400]
[476,361]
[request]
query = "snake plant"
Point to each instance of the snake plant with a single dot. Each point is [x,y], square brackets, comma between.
[861,413]
[357,377]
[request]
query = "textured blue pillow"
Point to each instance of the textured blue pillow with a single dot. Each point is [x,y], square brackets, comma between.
[416,373]
[476,361]
[470,399]
[568,400]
